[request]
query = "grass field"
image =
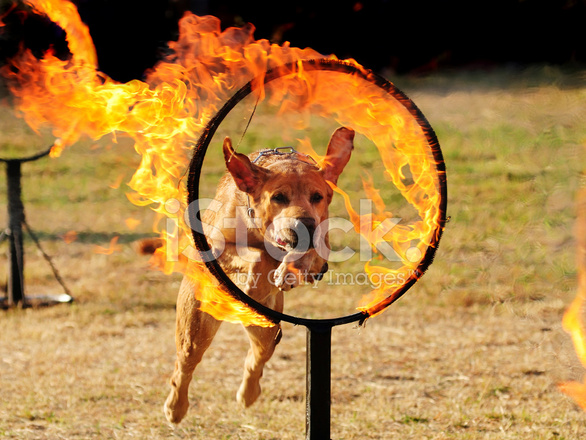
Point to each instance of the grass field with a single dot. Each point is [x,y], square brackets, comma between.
[474,351]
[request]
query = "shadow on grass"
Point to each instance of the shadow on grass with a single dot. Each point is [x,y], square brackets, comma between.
[90,237]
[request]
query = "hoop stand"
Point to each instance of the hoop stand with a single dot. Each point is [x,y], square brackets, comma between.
[318,390]
[14,233]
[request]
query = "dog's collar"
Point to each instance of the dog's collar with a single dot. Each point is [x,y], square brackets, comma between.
[291,152]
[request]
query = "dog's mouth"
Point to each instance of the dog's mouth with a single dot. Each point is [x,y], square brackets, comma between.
[283,244]
[293,234]
[289,239]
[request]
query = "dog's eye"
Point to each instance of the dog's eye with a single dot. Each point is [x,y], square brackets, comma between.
[279,198]
[316,198]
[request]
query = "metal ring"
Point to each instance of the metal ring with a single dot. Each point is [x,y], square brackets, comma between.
[29,158]
[202,145]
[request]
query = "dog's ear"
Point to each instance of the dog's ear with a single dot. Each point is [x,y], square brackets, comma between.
[247,175]
[338,153]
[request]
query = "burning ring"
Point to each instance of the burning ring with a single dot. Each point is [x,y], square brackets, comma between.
[432,150]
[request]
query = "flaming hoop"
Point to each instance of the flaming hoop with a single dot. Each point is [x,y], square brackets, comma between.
[257,86]
[318,374]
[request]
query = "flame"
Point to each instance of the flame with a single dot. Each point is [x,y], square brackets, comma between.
[116,184]
[131,223]
[69,237]
[167,111]
[572,320]
[77,33]
[112,247]
[8,11]
[215,301]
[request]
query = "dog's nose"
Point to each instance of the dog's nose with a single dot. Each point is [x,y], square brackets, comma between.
[305,230]
[300,233]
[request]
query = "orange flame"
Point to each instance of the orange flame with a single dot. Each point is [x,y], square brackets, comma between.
[182,92]
[572,320]
[112,247]
[116,184]
[218,303]
[131,223]
[69,237]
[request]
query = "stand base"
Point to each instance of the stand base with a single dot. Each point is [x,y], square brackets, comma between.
[40,300]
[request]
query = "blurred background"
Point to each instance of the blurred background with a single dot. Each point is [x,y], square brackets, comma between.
[401,37]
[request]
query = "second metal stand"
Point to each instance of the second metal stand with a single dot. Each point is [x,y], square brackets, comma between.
[14,233]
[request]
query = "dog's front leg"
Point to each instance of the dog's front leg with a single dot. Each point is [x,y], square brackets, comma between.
[194,333]
[298,268]
[286,275]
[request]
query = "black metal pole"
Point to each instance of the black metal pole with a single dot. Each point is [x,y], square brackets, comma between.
[318,398]
[15,221]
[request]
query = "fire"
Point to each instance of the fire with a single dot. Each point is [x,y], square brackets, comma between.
[116,184]
[112,247]
[572,322]
[69,237]
[169,110]
[131,223]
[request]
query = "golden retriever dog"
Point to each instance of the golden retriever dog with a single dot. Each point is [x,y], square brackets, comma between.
[266,229]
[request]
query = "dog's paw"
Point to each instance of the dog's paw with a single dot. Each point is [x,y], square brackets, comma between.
[284,279]
[247,395]
[296,269]
[175,408]
[280,276]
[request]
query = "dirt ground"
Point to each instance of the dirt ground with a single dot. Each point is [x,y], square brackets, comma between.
[414,372]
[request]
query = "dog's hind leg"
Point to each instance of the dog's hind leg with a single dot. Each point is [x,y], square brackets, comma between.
[194,333]
[263,341]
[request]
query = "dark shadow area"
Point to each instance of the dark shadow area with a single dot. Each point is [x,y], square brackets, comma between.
[415,37]
[422,36]
[91,237]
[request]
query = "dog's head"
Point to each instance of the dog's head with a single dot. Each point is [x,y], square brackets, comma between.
[290,197]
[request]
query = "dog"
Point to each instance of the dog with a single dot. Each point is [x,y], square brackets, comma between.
[276,203]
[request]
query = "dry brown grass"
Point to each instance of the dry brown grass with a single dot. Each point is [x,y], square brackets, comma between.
[474,351]
[434,372]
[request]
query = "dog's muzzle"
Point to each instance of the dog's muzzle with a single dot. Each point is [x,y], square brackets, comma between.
[299,235]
